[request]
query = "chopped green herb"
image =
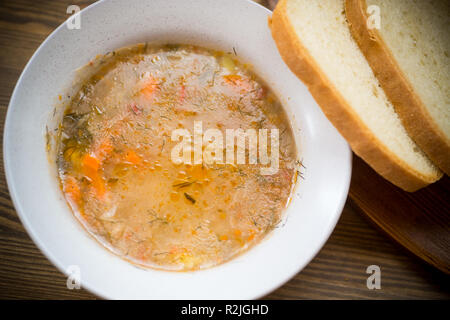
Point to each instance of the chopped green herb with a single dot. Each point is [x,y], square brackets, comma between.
[189,198]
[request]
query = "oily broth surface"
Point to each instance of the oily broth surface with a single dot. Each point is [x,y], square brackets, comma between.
[115,167]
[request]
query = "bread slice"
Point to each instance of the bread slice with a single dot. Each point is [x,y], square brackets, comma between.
[409,55]
[315,42]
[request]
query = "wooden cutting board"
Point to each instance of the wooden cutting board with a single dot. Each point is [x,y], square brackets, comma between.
[420,221]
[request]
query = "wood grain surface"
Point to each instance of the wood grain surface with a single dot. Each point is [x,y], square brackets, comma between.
[419,221]
[337,272]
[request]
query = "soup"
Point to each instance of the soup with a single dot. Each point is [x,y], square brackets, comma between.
[116,156]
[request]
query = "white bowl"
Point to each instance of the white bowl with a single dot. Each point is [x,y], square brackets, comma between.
[111,24]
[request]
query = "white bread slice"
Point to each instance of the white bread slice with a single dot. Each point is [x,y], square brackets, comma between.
[315,42]
[409,55]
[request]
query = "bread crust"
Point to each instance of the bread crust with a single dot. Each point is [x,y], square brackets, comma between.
[408,105]
[363,142]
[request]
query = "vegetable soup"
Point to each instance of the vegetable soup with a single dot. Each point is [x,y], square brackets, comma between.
[115,146]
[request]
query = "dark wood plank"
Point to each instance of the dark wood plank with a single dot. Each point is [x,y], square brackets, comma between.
[338,272]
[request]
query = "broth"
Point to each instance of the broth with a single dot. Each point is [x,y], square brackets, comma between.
[115,166]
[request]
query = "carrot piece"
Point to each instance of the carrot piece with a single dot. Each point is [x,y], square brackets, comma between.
[182,93]
[237,81]
[99,185]
[72,189]
[90,163]
[233,78]
[136,110]
[251,236]
[149,87]
[131,157]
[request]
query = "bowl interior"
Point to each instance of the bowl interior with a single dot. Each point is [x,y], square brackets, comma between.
[223,25]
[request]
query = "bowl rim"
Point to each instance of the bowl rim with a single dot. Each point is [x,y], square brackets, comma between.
[15,197]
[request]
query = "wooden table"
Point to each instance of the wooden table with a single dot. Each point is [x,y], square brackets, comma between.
[337,272]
